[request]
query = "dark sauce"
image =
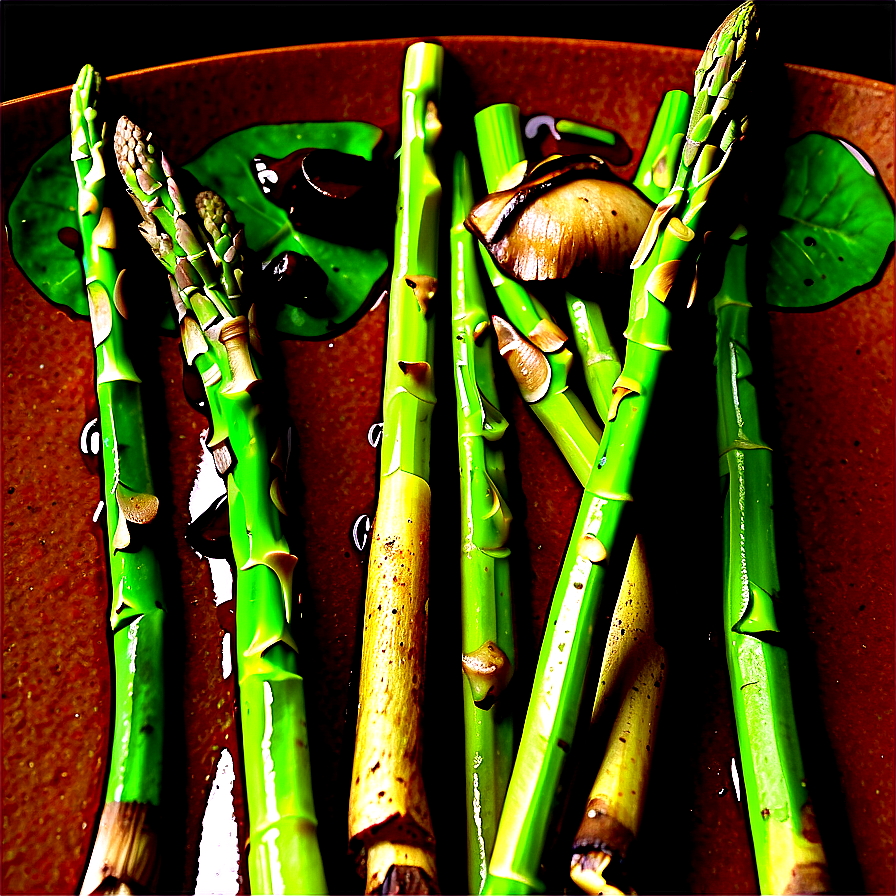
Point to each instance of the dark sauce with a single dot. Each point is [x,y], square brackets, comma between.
[327,193]
[295,279]
[209,534]
[70,237]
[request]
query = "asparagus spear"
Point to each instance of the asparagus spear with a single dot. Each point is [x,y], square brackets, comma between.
[633,672]
[626,768]
[389,822]
[789,854]
[653,177]
[564,658]
[633,669]
[663,151]
[205,273]
[531,341]
[486,609]
[125,850]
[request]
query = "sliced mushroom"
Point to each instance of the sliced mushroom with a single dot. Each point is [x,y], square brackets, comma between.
[568,213]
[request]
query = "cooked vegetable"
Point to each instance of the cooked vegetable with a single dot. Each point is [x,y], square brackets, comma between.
[205,268]
[568,212]
[564,658]
[789,854]
[530,340]
[125,851]
[633,678]
[390,829]
[487,638]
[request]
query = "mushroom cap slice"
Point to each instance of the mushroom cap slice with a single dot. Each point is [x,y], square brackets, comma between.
[567,213]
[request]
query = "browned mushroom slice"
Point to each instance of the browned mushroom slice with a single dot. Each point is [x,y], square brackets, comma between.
[567,213]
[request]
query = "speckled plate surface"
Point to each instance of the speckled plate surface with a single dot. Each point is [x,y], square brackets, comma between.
[832,382]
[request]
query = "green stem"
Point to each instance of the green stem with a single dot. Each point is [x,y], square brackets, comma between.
[138,602]
[663,151]
[595,347]
[284,855]
[566,652]
[653,178]
[785,839]
[486,608]
[389,821]
[560,411]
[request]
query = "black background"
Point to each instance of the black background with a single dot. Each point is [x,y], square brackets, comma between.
[46,43]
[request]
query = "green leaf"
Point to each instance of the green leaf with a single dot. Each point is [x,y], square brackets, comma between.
[226,168]
[836,226]
[46,203]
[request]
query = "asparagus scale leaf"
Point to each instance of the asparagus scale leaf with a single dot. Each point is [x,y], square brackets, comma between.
[486,609]
[205,268]
[125,849]
[390,829]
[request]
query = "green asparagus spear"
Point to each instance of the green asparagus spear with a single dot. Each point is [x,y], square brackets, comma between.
[564,658]
[389,822]
[205,273]
[500,142]
[125,850]
[789,854]
[663,151]
[653,178]
[633,669]
[531,342]
[835,230]
[486,608]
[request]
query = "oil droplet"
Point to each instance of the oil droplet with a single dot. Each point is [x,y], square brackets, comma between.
[219,855]
[361,532]
[380,299]
[226,660]
[91,440]
[375,435]
[735,778]
[208,488]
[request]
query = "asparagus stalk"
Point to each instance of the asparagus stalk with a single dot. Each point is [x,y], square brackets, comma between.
[486,610]
[563,661]
[633,669]
[124,854]
[389,821]
[205,273]
[633,672]
[530,340]
[663,151]
[610,823]
[789,855]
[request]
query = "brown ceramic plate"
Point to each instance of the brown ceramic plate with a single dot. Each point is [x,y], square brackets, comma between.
[832,395]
